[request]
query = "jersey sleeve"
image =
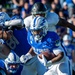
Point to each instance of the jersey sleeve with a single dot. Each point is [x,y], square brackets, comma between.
[58,50]
[53,40]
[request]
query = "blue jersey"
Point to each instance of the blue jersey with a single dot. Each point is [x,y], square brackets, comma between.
[18,42]
[49,42]
[69,49]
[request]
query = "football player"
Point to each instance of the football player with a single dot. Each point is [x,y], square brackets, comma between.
[3,17]
[10,65]
[47,46]
[53,19]
[14,38]
[70,50]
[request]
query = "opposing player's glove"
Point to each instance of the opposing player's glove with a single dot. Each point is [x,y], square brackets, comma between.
[25,58]
[49,63]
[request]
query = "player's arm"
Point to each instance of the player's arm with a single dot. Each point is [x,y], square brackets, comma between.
[58,57]
[55,59]
[64,23]
[50,56]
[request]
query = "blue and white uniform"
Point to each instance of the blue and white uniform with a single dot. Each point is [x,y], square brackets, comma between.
[69,51]
[49,42]
[46,40]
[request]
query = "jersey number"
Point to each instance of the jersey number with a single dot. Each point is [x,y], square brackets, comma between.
[12,42]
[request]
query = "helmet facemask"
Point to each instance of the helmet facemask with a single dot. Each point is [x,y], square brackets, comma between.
[12,67]
[39,34]
[43,14]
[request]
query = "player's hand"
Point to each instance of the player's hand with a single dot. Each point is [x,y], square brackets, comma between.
[49,63]
[25,58]
[42,59]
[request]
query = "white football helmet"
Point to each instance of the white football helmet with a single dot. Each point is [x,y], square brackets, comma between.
[12,62]
[39,23]
[67,39]
[3,17]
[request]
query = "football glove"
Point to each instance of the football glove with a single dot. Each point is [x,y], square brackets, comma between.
[25,58]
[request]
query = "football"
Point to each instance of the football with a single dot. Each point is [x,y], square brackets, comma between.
[48,55]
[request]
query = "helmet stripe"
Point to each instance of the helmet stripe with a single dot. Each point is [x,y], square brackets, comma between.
[43,21]
[14,56]
[35,21]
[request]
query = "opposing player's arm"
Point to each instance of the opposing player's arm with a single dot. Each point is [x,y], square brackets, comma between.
[64,23]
